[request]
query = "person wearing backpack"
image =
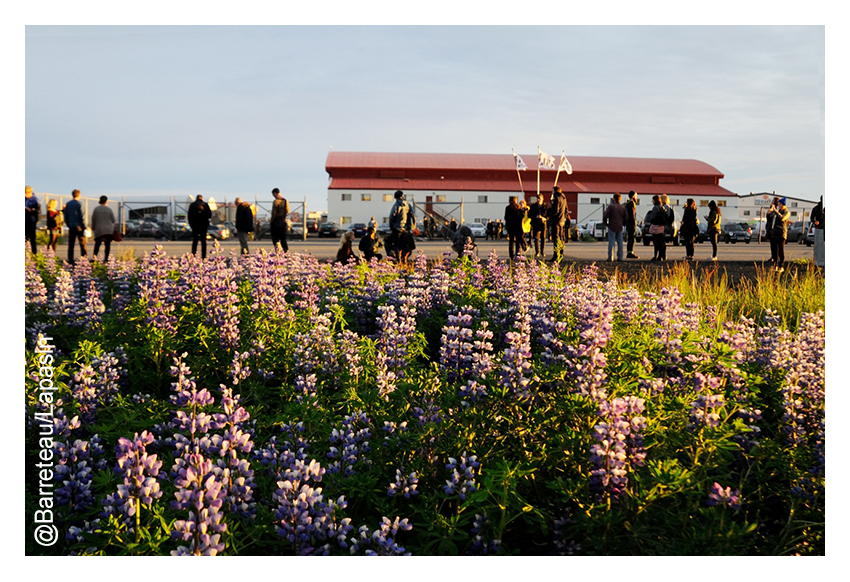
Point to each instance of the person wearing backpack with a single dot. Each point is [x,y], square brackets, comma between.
[277,221]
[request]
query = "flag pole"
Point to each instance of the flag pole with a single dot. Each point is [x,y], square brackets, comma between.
[517,173]
[538,172]
[558,173]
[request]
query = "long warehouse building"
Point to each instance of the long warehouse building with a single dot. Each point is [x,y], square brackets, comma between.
[476,187]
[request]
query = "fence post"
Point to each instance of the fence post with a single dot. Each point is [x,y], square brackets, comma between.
[304,220]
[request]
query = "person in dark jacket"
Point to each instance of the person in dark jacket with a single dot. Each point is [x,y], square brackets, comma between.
[712,227]
[657,218]
[32,210]
[538,213]
[614,218]
[198,216]
[559,222]
[778,217]
[370,244]
[277,221]
[690,228]
[631,224]
[513,223]
[73,213]
[244,224]
[402,222]
[103,227]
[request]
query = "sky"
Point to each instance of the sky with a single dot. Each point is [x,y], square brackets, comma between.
[165,111]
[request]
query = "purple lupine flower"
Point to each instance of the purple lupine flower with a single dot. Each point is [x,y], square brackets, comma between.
[222,302]
[619,445]
[702,411]
[381,542]
[463,476]
[303,518]
[457,345]
[35,290]
[158,291]
[139,470]
[202,495]
[404,485]
[73,470]
[481,545]
[724,497]
[587,361]
[349,443]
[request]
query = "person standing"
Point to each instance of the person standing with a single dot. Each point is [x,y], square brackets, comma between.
[32,210]
[778,217]
[54,223]
[277,221]
[103,227]
[818,220]
[690,228]
[244,224]
[713,227]
[614,218]
[73,213]
[198,216]
[402,222]
[657,219]
[537,212]
[513,223]
[631,224]
[558,217]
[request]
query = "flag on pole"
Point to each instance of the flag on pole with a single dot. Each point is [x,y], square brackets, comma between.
[520,165]
[544,160]
[565,165]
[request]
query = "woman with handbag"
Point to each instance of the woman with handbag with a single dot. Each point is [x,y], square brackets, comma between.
[657,225]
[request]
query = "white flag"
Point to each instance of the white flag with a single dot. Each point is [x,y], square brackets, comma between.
[565,165]
[520,165]
[544,160]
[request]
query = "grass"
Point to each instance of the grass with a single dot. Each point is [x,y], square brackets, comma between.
[798,290]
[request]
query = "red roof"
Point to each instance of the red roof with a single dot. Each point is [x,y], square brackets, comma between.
[341,160]
[497,173]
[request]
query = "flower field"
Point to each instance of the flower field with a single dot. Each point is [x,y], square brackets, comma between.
[270,404]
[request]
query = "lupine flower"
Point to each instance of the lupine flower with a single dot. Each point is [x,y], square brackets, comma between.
[381,542]
[726,497]
[349,443]
[463,476]
[404,485]
[702,411]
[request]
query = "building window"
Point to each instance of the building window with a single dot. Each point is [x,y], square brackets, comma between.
[441,197]
[388,197]
[365,197]
[746,212]
[594,200]
[345,220]
[703,202]
[482,199]
[721,202]
[481,220]
[793,213]
[346,197]
[793,205]
[386,220]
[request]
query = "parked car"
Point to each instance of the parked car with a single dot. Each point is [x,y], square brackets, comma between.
[593,228]
[147,229]
[218,232]
[810,234]
[384,229]
[295,231]
[797,232]
[329,229]
[734,232]
[312,226]
[359,229]
[671,232]
[478,229]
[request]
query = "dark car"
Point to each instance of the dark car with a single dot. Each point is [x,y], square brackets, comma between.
[797,232]
[734,232]
[384,229]
[359,229]
[147,229]
[671,232]
[312,225]
[329,229]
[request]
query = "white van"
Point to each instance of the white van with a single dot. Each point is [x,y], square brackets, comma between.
[594,228]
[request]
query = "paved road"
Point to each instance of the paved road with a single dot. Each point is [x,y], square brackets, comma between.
[584,251]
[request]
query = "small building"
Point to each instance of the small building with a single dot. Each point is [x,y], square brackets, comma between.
[476,187]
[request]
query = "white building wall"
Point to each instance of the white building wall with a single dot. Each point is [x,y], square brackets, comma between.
[591,205]
[346,207]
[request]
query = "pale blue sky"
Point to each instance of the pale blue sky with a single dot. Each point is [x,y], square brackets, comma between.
[232,110]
